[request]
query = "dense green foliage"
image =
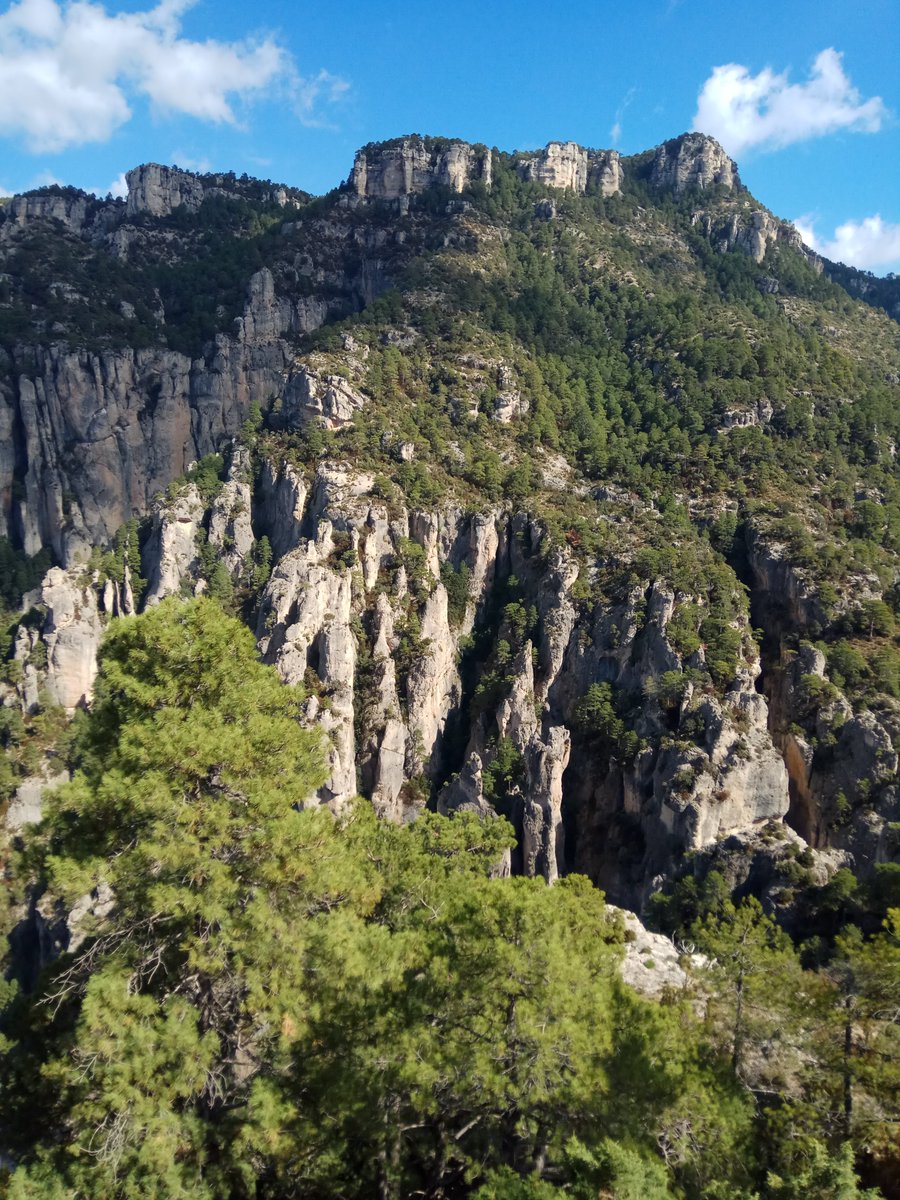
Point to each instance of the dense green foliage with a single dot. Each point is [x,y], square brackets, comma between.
[268,1001]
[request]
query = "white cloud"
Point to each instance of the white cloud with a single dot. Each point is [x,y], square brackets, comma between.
[4,194]
[805,226]
[70,71]
[616,132]
[310,92]
[868,244]
[743,110]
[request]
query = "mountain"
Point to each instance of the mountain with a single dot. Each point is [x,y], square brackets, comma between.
[621,384]
[565,483]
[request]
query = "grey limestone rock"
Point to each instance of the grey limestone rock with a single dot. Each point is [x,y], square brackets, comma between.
[158,190]
[68,208]
[652,963]
[543,845]
[170,556]
[570,167]
[71,632]
[395,170]
[305,623]
[692,161]
[330,400]
[230,522]
[27,805]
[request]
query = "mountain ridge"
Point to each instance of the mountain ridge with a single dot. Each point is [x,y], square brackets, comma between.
[575,505]
[439,373]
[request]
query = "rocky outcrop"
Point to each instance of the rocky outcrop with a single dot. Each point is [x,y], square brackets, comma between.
[652,963]
[330,400]
[27,805]
[365,626]
[752,231]
[692,162]
[570,167]
[543,840]
[58,657]
[392,170]
[734,780]
[759,413]
[783,586]
[67,207]
[605,171]
[100,433]
[843,766]
[705,771]
[305,626]
[283,493]
[170,556]
[71,633]
[156,191]
[230,521]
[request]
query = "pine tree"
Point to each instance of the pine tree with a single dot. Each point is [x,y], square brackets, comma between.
[136,1059]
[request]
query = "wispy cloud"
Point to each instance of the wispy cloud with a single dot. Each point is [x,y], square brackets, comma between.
[192,162]
[744,110]
[70,72]
[309,94]
[616,132]
[869,244]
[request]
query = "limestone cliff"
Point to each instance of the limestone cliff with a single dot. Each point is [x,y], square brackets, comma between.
[753,231]
[692,161]
[68,208]
[570,167]
[157,190]
[366,627]
[391,170]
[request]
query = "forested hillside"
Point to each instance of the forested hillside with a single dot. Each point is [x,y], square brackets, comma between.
[559,492]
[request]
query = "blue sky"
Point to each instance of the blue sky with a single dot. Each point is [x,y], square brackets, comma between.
[804,95]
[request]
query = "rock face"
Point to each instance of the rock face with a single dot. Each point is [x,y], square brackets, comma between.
[59,658]
[391,170]
[307,608]
[89,436]
[68,208]
[692,161]
[570,167]
[71,633]
[27,806]
[159,190]
[366,627]
[753,231]
[843,767]
[103,432]
[230,524]
[170,555]
[759,413]
[329,400]
[652,963]
[718,773]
